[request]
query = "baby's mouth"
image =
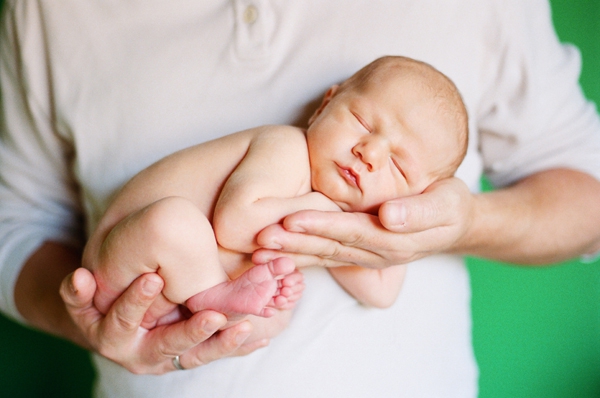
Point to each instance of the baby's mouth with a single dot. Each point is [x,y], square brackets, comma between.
[350,176]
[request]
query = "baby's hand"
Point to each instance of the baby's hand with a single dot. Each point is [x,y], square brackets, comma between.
[322,202]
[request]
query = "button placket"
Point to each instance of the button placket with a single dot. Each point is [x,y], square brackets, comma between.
[254,27]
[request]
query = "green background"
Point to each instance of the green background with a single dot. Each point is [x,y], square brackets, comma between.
[536,331]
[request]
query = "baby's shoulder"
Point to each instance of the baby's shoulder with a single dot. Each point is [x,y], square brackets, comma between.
[282,136]
[280,131]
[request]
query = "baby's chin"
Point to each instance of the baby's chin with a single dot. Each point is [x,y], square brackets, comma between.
[359,208]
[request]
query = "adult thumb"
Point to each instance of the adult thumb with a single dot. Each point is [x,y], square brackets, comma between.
[78,288]
[410,214]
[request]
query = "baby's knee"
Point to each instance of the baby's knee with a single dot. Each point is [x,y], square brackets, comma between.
[171,217]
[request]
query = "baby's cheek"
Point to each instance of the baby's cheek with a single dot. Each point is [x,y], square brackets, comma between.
[383,193]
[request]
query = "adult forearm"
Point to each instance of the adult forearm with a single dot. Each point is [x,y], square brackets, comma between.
[37,290]
[548,217]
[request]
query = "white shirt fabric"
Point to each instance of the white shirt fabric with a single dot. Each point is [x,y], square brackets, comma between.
[94,91]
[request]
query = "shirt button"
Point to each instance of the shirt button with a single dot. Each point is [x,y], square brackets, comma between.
[250,14]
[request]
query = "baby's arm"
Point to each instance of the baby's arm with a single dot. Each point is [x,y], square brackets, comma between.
[272,181]
[372,287]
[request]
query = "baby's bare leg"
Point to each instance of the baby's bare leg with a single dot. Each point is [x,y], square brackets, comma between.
[171,237]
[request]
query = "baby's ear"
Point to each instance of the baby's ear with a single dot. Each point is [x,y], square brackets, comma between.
[326,98]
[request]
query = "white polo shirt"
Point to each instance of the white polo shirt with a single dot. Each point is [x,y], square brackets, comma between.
[94,91]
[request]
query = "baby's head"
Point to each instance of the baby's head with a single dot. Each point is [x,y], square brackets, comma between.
[389,131]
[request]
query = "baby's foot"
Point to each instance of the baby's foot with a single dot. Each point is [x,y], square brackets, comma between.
[290,289]
[259,291]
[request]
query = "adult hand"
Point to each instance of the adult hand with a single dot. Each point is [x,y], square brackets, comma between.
[119,336]
[407,229]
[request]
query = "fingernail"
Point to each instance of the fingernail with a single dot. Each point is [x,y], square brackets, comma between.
[210,326]
[396,214]
[150,286]
[241,337]
[72,287]
[273,246]
[295,228]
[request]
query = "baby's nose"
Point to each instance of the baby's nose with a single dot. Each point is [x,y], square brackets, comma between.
[373,153]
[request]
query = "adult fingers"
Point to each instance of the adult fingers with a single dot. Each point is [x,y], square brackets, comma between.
[407,229]
[143,351]
[262,256]
[77,291]
[326,239]
[227,342]
[121,326]
[119,337]
[443,203]
[177,338]
[163,312]
[127,313]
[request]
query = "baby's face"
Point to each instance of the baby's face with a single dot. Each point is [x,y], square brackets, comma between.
[369,146]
